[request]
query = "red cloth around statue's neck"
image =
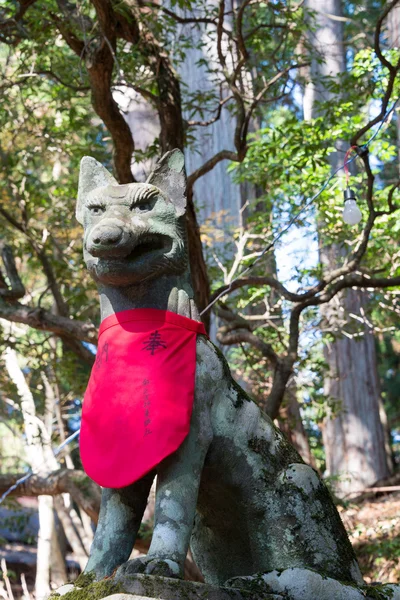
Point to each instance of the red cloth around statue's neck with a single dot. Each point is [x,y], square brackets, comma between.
[139,399]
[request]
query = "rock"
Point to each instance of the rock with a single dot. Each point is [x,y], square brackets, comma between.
[64,589]
[128,597]
[305,584]
[391,587]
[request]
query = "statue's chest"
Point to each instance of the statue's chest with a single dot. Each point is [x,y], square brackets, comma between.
[139,399]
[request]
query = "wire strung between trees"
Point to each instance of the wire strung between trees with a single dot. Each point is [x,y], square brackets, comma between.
[359,151]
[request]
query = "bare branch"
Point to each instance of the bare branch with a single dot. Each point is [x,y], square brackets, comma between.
[264,90]
[259,281]
[64,481]
[238,331]
[71,39]
[44,320]
[177,18]
[210,164]
[52,75]
[393,72]
[378,28]
[143,92]
[214,119]
[220,30]
[392,207]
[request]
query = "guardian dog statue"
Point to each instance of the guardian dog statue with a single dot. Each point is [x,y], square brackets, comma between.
[235,490]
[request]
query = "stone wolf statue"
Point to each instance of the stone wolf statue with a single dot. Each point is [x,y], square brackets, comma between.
[235,490]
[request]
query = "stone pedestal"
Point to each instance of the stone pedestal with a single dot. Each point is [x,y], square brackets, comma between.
[290,584]
[143,587]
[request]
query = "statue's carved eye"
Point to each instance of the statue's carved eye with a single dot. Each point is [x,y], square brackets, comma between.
[142,207]
[96,209]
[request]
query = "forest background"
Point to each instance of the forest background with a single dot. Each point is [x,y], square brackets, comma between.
[269,101]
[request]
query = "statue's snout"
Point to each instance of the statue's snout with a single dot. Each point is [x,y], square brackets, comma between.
[107,235]
[108,240]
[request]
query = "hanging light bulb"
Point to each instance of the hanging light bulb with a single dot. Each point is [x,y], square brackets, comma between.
[351,213]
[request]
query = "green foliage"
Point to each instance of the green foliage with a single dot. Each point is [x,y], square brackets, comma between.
[47,123]
[289,160]
[46,128]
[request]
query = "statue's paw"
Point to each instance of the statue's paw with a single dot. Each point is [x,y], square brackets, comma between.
[151,566]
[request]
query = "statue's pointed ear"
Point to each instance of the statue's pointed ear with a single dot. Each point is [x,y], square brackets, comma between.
[170,176]
[91,176]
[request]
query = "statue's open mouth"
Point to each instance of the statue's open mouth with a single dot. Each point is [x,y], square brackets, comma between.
[150,244]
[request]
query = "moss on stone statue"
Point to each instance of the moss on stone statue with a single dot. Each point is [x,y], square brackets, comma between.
[94,590]
[287,454]
[241,397]
[377,592]
[85,579]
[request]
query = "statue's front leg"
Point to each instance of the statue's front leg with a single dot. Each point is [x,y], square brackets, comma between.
[178,480]
[121,512]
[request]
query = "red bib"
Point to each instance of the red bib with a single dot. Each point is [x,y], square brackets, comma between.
[139,400]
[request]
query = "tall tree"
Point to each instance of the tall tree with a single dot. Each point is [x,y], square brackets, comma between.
[353,435]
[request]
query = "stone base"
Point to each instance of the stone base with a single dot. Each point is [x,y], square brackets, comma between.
[289,584]
[141,587]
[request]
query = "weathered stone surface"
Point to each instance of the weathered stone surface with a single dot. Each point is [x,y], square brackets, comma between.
[165,588]
[304,584]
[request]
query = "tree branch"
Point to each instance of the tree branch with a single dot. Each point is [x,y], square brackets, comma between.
[100,59]
[64,481]
[17,289]
[177,18]
[214,119]
[377,35]
[44,320]
[23,7]
[52,75]
[238,331]
[209,165]
[393,72]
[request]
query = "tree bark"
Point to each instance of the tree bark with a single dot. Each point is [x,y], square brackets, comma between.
[353,434]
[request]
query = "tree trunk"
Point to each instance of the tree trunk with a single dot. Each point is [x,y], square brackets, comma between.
[58,568]
[41,458]
[43,561]
[291,423]
[394,42]
[218,198]
[353,434]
